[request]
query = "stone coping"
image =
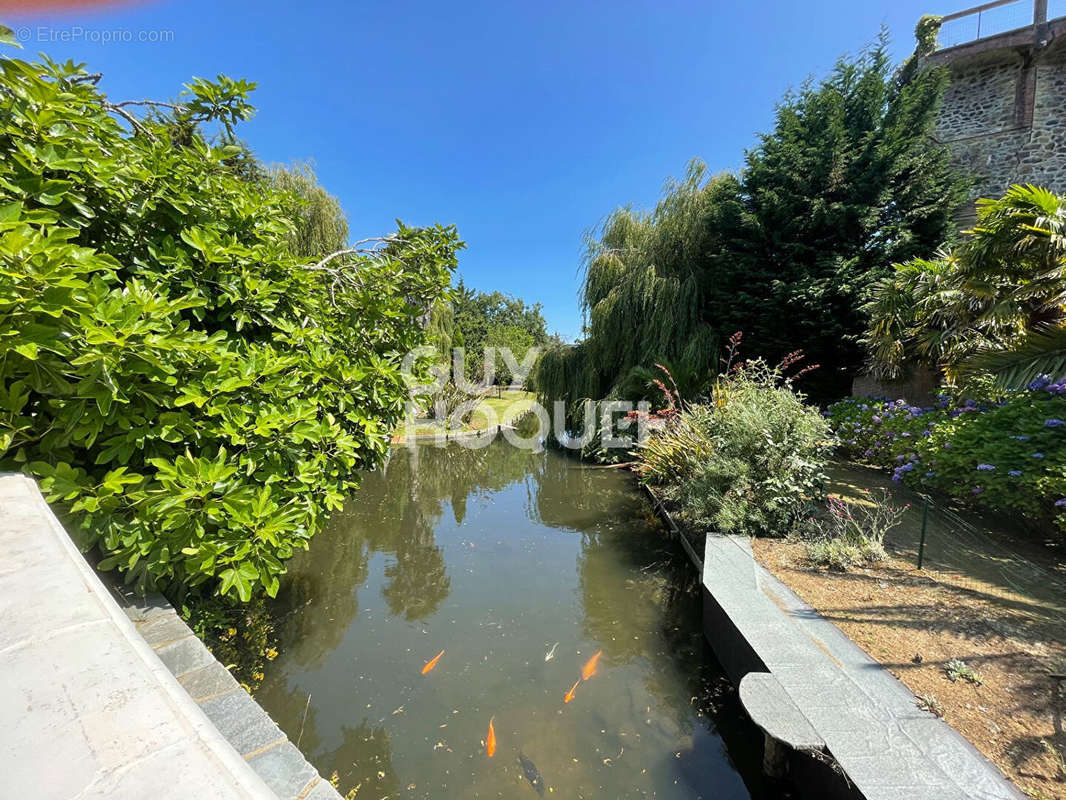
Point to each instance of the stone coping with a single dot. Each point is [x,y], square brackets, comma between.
[236,715]
[869,722]
[113,696]
[89,709]
[451,436]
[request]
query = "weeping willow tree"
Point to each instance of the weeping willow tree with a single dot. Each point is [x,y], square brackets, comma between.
[848,182]
[644,293]
[321,226]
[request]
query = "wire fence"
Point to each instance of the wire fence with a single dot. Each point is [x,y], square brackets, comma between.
[993,559]
[984,22]
[994,18]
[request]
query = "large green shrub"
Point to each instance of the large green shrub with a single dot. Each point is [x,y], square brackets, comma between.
[760,466]
[194,395]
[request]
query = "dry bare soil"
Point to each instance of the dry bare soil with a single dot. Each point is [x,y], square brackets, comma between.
[999,610]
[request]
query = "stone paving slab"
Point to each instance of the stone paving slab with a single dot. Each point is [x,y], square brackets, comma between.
[772,709]
[236,715]
[887,746]
[88,709]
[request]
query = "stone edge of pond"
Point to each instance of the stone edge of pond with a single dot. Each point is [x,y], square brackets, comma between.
[239,719]
[870,723]
[450,436]
[246,754]
[89,709]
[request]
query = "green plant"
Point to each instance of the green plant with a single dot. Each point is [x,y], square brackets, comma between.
[762,468]
[851,534]
[927,702]
[677,450]
[957,670]
[497,320]
[242,637]
[320,225]
[995,303]
[1003,452]
[452,407]
[194,396]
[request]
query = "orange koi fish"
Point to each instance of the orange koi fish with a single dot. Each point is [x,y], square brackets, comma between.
[570,695]
[490,740]
[589,669]
[432,662]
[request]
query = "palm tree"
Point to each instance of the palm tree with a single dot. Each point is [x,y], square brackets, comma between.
[996,304]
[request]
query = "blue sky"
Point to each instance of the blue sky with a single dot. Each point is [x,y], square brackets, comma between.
[523,123]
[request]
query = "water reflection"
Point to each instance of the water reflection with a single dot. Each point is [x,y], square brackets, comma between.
[494,555]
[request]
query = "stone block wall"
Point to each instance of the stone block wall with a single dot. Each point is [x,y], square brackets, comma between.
[1004,111]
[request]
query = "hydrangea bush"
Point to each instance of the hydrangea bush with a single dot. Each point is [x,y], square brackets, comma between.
[1006,454]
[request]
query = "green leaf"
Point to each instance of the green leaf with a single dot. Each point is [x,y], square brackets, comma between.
[7,36]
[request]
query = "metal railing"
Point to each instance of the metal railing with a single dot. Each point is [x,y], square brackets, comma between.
[996,17]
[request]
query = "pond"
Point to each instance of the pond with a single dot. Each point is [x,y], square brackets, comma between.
[520,566]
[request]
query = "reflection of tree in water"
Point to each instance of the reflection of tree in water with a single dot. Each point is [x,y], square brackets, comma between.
[324,581]
[583,497]
[418,579]
[368,752]
[300,721]
[640,595]
[642,601]
[395,512]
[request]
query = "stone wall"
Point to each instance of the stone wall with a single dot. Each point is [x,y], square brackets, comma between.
[1004,111]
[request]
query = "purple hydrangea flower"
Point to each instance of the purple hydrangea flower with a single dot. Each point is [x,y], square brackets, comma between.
[1060,502]
[976,490]
[986,467]
[1053,423]
[1015,473]
[1038,455]
[1039,383]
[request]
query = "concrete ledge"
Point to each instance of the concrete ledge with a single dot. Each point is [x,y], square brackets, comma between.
[770,707]
[237,717]
[869,721]
[113,695]
[89,710]
[452,436]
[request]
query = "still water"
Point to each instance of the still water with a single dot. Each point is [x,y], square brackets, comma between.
[500,557]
